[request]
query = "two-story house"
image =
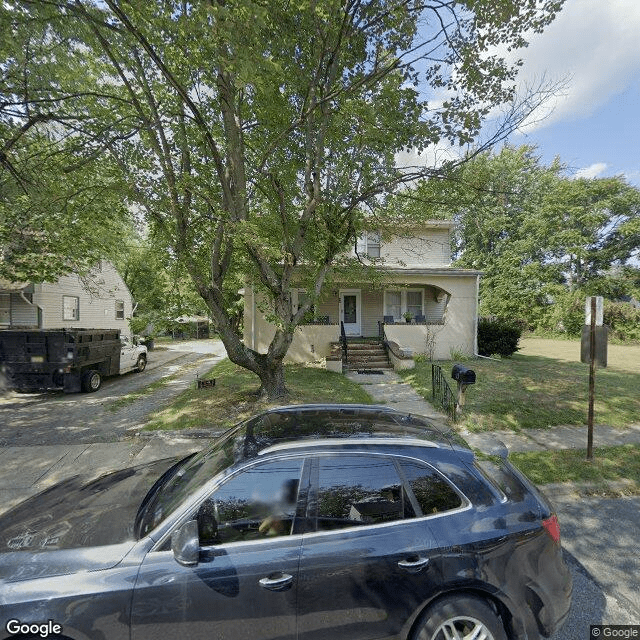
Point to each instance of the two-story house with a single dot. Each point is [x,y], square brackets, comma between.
[99,300]
[420,303]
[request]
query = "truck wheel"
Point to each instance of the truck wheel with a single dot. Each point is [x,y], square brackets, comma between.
[91,380]
[141,364]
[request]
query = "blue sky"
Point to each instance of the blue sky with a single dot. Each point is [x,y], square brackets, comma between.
[594,45]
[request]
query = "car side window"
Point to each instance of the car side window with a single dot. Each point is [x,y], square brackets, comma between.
[359,490]
[433,493]
[259,502]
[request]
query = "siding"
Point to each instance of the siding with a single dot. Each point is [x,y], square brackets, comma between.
[431,248]
[97,293]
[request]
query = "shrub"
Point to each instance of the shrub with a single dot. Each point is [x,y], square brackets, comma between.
[498,336]
[623,320]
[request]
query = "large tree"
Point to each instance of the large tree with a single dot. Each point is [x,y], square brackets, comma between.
[255,136]
[538,233]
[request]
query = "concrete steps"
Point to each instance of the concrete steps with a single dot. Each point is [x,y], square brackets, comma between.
[366,356]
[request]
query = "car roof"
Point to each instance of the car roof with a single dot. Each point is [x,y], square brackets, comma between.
[313,425]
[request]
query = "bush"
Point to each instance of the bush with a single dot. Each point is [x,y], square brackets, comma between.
[498,336]
[623,320]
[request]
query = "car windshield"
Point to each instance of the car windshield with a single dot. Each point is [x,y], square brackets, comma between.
[248,439]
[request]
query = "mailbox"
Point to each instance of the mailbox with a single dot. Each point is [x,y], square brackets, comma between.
[463,375]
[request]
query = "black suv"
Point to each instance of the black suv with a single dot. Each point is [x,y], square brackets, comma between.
[305,522]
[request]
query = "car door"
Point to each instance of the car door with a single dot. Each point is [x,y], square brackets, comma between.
[246,580]
[128,355]
[370,563]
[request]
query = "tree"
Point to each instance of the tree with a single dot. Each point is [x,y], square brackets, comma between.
[537,234]
[256,137]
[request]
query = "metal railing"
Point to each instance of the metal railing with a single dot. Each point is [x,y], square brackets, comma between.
[441,391]
[343,341]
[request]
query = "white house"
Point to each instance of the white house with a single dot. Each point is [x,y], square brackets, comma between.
[417,281]
[99,300]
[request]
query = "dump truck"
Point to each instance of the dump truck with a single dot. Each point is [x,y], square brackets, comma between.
[69,359]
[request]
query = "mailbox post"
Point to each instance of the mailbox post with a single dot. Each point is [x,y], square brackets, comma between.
[464,377]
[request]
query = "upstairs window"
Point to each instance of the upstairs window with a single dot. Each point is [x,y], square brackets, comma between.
[368,244]
[119,309]
[70,308]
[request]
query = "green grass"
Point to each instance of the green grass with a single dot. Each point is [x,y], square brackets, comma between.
[527,392]
[570,465]
[235,397]
[621,357]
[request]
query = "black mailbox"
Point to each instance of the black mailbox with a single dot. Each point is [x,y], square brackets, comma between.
[461,374]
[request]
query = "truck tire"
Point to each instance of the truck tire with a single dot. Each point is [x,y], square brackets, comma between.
[91,380]
[141,364]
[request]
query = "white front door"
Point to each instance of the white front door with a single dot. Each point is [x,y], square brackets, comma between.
[350,311]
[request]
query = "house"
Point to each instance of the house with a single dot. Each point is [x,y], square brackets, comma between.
[99,300]
[419,305]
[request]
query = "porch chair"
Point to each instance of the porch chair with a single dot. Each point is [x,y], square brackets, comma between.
[420,319]
[388,320]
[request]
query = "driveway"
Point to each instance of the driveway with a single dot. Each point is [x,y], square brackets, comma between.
[80,418]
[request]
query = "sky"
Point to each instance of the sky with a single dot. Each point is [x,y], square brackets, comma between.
[593,127]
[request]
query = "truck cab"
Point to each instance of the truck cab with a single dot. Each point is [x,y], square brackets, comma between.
[133,355]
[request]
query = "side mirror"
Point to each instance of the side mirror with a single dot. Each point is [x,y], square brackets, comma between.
[185,544]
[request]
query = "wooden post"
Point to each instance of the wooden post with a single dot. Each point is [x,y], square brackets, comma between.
[592,379]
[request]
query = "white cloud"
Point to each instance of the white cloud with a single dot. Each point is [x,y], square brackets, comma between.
[592,171]
[592,43]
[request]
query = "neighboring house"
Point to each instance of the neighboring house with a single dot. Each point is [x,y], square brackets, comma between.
[417,279]
[99,300]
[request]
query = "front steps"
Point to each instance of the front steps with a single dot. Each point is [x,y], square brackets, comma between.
[366,355]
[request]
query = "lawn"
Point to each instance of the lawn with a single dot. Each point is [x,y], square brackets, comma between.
[568,465]
[539,391]
[234,397]
[620,357]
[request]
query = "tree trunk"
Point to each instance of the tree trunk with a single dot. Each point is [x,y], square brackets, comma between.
[272,380]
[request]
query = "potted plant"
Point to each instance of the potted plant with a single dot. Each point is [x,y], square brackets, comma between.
[408,316]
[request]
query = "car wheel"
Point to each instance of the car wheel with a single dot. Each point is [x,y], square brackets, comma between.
[460,618]
[141,364]
[91,380]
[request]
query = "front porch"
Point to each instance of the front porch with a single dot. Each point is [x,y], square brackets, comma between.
[440,308]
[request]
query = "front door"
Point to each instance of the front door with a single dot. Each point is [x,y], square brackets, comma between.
[350,311]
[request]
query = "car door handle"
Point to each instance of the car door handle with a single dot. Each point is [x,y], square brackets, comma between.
[277,582]
[414,563]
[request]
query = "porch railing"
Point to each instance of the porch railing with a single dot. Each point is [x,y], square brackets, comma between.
[343,341]
[441,391]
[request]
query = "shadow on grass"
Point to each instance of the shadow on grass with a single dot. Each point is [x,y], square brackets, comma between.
[235,397]
[526,392]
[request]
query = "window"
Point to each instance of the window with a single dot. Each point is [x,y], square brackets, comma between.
[119,309]
[70,308]
[259,502]
[432,491]
[359,490]
[414,303]
[299,297]
[393,304]
[5,308]
[368,244]
[399,302]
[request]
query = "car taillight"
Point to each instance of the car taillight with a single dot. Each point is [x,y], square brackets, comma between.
[552,527]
